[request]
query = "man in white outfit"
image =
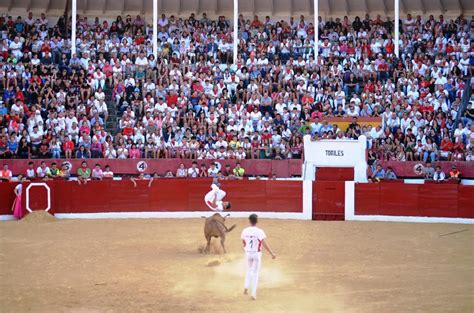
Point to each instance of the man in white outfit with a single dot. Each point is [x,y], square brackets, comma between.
[214,198]
[253,239]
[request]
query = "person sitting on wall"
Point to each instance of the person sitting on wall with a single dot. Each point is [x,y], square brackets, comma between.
[30,171]
[212,170]
[428,171]
[227,172]
[54,172]
[220,176]
[5,174]
[378,174]
[239,171]
[193,171]
[141,176]
[83,173]
[154,176]
[390,174]
[107,173]
[439,175]
[203,171]
[97,173]
[455,174]
[181,172]
[65,170]
[42,170]
[169,174]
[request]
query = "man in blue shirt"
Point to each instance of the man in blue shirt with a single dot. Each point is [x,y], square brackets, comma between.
[3,109]
[8,94]
[326,127]
[378,174]
[12,144]
[316,126]
[97,119]
[19,25]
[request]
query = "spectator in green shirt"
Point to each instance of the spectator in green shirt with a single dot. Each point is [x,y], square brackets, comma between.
[239,171]
[83,173]
[54,171]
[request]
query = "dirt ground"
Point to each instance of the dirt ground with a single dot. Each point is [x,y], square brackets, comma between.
[154,265]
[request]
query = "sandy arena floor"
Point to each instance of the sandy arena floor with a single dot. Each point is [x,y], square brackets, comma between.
[155,266]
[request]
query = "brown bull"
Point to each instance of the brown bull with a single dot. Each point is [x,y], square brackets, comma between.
[215,227]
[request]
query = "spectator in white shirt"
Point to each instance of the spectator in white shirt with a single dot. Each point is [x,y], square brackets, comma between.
[439,175]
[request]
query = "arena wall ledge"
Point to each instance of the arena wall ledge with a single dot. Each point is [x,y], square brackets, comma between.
[281,168]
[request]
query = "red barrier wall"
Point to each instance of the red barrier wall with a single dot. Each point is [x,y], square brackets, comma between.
[399,199]
[6,197]
[328,200]
[165,195]
[282,168]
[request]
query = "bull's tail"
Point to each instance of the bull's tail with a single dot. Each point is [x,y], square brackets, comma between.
[225,227]
[230,229]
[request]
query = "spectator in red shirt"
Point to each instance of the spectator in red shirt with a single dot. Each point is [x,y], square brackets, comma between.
[446,148]
[68,147]
[5,173]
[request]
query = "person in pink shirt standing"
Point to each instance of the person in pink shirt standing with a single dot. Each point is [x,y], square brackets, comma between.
[17,208]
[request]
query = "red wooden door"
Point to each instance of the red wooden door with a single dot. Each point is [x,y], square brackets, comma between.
[328,200]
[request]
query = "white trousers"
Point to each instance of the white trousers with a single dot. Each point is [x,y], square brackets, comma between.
[253,269]
[219,194]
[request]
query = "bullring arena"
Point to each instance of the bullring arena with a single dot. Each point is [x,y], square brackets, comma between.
[153,265]
[352,141]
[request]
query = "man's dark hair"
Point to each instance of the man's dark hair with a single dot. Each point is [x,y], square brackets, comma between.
[253,218]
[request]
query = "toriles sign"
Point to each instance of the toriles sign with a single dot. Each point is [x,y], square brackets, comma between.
[335,153]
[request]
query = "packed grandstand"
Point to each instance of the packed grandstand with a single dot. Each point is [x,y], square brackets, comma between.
[113,99]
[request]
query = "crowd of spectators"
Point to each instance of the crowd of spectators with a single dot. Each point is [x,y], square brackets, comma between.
[192,102]
[429,173]
[84,173]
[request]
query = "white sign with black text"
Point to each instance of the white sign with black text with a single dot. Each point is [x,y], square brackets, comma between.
[336,153]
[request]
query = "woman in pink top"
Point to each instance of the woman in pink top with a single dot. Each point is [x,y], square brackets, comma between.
[134,152]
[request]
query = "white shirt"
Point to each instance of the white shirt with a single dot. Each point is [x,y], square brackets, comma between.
[141,61]
[439,176]
[215,194]
[193,172]
[40,172]
[253,237]
[30,173]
